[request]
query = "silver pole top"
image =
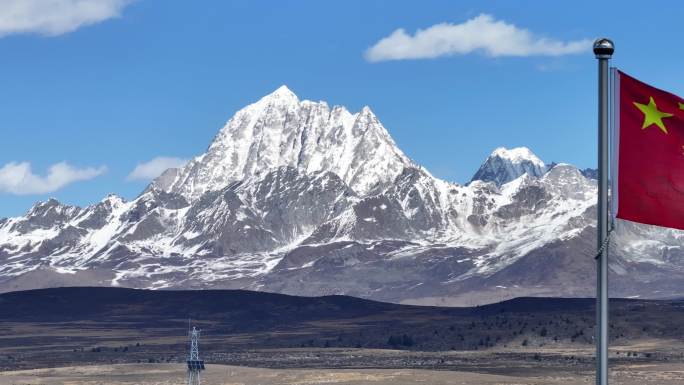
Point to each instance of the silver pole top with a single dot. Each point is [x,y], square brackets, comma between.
[603,48]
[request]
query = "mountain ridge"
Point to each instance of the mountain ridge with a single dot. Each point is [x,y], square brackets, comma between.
[295,197]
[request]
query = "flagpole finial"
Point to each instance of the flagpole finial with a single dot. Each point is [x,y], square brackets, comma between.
[603,48]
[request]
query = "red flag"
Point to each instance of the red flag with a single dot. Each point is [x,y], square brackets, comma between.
[651,155]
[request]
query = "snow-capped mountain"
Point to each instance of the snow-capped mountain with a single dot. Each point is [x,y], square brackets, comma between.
[300,198]
[280,131]
[504,165]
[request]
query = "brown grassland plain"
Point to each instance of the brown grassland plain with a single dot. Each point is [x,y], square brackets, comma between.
[167,374]
[102,336]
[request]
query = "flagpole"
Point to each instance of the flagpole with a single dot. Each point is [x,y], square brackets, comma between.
[603,50]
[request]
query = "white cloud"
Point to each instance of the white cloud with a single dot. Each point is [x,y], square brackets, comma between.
[17,178]
[55,17]
[480,34]
[155,167]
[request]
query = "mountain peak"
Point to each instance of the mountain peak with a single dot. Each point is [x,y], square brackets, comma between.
[366,110]
[281,131]
[42,205]
[517,155]
[505,165]
[282,93]
[113,199]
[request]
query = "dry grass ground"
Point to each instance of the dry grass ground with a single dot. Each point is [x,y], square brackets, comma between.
[116,336]
[168,374]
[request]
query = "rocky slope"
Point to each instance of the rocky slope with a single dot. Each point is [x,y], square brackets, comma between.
[297,197]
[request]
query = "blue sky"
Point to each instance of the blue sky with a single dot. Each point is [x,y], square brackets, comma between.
[162,77]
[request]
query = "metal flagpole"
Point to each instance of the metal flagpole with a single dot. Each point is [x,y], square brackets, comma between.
[603,49]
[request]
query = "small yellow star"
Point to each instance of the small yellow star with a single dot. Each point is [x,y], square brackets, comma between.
[652,115]
[681,106]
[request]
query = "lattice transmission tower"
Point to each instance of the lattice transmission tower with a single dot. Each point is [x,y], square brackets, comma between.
[195,365]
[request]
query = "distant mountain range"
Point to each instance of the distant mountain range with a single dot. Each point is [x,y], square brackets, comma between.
[300,198]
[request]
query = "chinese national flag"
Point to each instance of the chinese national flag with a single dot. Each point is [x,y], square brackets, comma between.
[651,155]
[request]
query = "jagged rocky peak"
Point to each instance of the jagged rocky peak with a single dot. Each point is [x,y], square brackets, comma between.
[505,165]
[113,200]
[569,182]
[281,131]
[46,215]
[51,207]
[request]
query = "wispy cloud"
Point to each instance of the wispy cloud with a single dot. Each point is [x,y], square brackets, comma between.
[480,34]
[55,17]
[18,178]
[155,167]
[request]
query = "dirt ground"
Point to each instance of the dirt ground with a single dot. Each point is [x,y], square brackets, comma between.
[167,374]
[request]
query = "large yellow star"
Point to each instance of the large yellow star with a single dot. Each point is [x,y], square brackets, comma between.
[652,115]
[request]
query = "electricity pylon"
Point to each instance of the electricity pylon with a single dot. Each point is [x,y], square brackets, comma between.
[195,365]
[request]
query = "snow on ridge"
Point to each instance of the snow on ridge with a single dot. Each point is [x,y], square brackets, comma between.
[518,155]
